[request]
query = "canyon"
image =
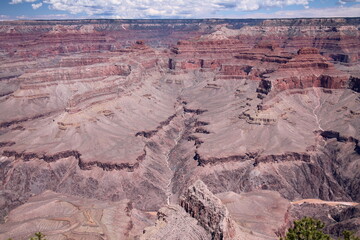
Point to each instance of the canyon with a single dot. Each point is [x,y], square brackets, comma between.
[178,129]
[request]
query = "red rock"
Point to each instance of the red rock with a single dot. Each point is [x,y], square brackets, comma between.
[308,50]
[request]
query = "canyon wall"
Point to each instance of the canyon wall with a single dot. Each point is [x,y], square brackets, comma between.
[134,112]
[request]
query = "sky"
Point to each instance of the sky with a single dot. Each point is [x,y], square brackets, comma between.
[173,9]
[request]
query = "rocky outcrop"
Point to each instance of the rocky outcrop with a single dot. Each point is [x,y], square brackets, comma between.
[237,158]
[174,223]
[308,50]
[73,153]
[308,69]
[17,121]
[6,144]
[346,217]
[203,215]
[149,134]
[264,87]
[202,205]
[258,117]
[339,138]
[47,158]
[196,111]
[303,157]
[354,84]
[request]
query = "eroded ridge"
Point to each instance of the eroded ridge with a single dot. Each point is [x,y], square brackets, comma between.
[73,153]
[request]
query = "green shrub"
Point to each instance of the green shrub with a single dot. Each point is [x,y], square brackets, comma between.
[38,236]
[348,235]
[307,229]
[311,229]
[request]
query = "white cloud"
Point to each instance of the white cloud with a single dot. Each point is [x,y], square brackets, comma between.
[21,17]
[194,8]
[21,1]
[50,16]
[353,11]
[163,8]
[36,5]
[4,17]
[347,1]
[37,17]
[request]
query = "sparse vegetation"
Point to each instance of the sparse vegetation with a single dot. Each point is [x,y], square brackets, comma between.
[37,236]
[311,229]
[307,229]
[348,235]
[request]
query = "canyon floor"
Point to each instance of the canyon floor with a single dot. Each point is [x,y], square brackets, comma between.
[178,129]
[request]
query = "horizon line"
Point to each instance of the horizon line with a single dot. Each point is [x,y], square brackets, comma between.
[164,19]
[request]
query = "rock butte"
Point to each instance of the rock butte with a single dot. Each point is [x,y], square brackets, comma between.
[191,129]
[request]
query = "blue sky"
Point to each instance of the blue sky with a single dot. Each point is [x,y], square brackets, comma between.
[73,9]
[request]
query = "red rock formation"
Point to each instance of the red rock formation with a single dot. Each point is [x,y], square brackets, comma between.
[308,69]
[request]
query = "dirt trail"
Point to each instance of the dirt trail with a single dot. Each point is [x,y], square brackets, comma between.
[330,203]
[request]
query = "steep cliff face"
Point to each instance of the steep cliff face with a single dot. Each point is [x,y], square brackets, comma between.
[308,69]
[224,216]
[174,223]
[202,205]
[138,110]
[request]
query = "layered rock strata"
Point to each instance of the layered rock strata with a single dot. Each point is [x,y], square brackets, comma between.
[91,110]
